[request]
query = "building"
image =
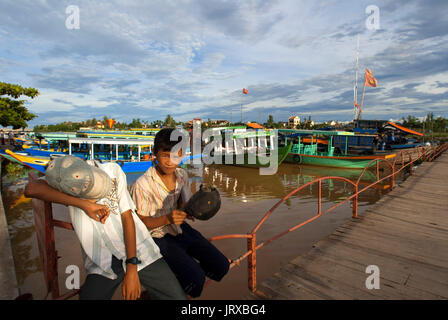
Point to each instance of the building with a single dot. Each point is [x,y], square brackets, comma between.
[99,125]
[193,122]
[293,121]
[219,122]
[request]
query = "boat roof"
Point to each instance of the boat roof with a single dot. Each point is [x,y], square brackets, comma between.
[114,135]
[403,129]
[315,132]
[253,133]
[110,141]
[254,125]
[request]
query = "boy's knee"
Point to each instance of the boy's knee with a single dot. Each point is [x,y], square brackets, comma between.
[220,270]
[193,286]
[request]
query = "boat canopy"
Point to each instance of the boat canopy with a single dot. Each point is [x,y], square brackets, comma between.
[254,125]
[297,132]
[110,141]
[403,129]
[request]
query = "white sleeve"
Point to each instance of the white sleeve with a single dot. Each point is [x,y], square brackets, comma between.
[124,198]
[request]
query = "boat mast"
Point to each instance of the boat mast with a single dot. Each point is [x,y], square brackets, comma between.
[355,89]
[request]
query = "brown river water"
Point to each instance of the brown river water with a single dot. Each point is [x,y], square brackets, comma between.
[246,197]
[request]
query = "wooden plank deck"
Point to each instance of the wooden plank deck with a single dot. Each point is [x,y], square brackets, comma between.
[405,234]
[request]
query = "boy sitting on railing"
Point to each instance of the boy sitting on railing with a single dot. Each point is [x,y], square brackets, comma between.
[159,195]
[117,248]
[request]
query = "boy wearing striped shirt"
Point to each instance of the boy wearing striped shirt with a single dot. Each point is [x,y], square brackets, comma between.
[159,195]
[116,246]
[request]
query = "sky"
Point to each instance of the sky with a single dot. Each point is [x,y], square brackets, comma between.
[191,59]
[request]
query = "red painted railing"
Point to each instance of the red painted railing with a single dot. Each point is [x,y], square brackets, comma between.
[45,222]
[406,159]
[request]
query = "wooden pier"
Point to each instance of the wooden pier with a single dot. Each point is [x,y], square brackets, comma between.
[405,234]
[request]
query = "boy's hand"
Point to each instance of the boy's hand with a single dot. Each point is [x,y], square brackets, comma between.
[131,288]
[97,212]
[178,217]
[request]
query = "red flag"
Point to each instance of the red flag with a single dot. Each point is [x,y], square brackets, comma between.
[244,91]
[357,105]
[370,81]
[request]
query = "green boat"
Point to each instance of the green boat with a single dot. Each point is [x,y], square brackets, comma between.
[257,160]
[309,153]
[248,154]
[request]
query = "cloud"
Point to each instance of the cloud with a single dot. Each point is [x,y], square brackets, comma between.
[190,58]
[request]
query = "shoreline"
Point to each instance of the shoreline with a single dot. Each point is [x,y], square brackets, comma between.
[9,288]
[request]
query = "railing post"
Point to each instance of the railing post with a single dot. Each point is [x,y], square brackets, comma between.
[252,263]
[377,170]
[411,165]
[319,210]
[355,202]
[392,181]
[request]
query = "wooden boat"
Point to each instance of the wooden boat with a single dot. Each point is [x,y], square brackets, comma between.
[242,149]
[33,162]
[114,134]
[257,160]
[6,156]
[40,163]
[309,154]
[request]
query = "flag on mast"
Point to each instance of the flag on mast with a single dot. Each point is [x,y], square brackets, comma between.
[370,81]
[244,91]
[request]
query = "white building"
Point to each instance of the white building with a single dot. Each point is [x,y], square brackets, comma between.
[294,121]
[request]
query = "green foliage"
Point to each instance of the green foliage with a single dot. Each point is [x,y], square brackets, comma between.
[136,123]
[12,111]
[15,169]
[169,121]
[270,123]
[64,127]
[429,123]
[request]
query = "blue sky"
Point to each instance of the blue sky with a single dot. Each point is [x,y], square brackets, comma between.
[146,59]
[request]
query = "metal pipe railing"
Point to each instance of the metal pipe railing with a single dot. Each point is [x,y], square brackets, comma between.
[252,247]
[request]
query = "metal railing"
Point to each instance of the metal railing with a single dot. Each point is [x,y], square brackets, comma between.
[45,223]
[406,159]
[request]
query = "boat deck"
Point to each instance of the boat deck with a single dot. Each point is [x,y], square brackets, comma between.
[405,234]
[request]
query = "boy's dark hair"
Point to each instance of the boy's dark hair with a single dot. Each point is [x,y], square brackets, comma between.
[163,142]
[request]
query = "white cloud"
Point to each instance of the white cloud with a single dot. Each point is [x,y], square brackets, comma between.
[182,57]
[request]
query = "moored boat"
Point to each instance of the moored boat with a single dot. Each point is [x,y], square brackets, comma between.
[309,154]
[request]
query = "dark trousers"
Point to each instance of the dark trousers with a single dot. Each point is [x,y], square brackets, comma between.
[156,278]
[192,258]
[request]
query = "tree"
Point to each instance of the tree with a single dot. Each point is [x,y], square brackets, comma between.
[136,123]
[270,123]
[13,112]
[169,122]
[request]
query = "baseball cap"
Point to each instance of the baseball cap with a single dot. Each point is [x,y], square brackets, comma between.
[74,176]
[204,204]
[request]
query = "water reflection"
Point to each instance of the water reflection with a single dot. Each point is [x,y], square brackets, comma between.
[246,185]
[21,228]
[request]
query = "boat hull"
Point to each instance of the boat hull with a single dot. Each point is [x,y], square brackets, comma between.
[40,163]
[352,162]
[257,161]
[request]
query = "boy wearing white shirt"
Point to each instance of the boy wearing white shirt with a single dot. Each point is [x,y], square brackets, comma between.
[116,245]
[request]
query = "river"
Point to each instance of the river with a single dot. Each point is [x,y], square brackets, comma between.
[246,197]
